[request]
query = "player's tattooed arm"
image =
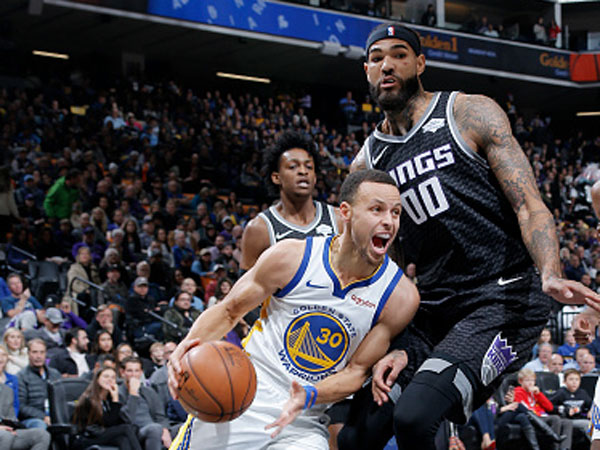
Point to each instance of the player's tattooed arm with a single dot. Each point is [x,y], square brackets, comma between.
[486,128]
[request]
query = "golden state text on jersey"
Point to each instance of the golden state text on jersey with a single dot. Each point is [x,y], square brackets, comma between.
[309,329]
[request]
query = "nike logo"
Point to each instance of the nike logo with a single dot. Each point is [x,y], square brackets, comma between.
[316,286]
[282,235]
[502,281]
[376,160]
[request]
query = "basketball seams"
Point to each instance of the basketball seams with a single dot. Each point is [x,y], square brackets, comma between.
[226,367]
[204,387]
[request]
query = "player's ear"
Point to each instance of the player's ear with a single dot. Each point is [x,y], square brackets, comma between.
[420,64]
[275,178]
[346,211]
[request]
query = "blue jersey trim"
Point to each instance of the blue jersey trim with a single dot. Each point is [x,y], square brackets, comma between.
[300,272]
[386,295]
[340,292]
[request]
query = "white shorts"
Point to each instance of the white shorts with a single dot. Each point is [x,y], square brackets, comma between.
[596,413]
[247,432]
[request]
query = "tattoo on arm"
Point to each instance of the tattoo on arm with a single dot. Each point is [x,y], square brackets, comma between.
[483,122]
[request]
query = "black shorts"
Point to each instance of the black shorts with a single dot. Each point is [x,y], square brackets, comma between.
[487,329]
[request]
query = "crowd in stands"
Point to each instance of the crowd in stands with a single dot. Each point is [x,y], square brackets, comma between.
[136,205]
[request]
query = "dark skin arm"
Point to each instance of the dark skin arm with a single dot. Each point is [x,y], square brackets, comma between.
[486,129]
[255,240]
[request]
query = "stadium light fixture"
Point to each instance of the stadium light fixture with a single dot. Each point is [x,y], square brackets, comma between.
[588,113]
[235,76]
[354,52]
[50,54]
[331,48]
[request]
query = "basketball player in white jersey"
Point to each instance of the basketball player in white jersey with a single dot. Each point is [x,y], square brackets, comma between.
[291,165]
[333,305]
[585,325]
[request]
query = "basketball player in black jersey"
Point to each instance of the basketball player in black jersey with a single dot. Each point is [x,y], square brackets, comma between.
[291,164]
[474,224]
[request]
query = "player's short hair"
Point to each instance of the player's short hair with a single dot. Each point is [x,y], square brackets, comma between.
[572,372]
[354,180]
[286,141]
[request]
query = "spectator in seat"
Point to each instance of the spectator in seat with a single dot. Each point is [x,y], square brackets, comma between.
[51,333]
[74,361]
[102,344]
[588,365]
[181,249]
[33,387]
[578,361]
[181,314]
[157,359]
[541,363]
[137,307]
[567,350]
[158,380]
[59,200]
[115,291]
[556,367]
[11,438]
[22,307]
[17,352]
[545,337]
[104,320]
[572,402]
[189,285]
[144,407]
[99,415]
[529,395]
[85,269]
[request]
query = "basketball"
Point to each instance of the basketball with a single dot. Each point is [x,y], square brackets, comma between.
[218,383]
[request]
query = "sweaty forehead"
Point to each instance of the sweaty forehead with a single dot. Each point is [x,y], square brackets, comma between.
[296,154]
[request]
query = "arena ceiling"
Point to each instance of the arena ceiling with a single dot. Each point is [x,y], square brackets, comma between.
[192,54]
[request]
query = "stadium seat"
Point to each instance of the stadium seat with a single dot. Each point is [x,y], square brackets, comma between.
[588,384]
[45,279]
[548,382]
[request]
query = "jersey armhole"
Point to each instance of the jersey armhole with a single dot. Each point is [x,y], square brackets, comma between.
[270,230]
[455,132]
[386,295]
[299,273]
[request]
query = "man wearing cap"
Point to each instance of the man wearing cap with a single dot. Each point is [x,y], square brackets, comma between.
[115,291]
[51,333]
[475,225]
[137,307]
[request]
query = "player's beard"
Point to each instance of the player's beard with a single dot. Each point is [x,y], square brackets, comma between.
[389,101]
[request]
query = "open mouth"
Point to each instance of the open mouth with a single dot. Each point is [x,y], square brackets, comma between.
[303,184]
[380,241]
[388,82]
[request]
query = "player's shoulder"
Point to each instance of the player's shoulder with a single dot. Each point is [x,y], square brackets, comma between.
[480,103]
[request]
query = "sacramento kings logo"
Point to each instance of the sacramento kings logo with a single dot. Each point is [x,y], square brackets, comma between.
[316,342]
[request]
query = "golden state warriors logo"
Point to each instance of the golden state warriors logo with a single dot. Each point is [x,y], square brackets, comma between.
[316,342]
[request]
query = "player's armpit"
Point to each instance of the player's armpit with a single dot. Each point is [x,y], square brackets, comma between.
[255,241]
[359,162]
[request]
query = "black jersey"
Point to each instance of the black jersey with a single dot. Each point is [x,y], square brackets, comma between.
[324,224]
[457,225]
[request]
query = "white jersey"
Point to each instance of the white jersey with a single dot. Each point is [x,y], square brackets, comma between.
[309,329]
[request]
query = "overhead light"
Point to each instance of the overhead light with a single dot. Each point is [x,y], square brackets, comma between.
[588,113]
[235,76]
[50,54]
[331,48]
[354,52]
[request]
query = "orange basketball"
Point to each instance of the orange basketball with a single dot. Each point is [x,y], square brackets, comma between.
[218,383]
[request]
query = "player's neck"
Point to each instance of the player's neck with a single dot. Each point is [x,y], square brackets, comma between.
[299,212]
[348,261]
[400,122]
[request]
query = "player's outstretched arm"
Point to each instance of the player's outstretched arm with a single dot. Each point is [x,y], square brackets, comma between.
[273,270]
[397,313]
[485,127]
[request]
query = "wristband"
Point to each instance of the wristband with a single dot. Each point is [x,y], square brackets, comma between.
[311,396]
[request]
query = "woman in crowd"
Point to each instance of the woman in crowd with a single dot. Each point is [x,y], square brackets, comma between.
[223,287]
[8,378]
[98,415]
[103,344]
[83,268]
[17,352]
[545,338]
[132,240]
